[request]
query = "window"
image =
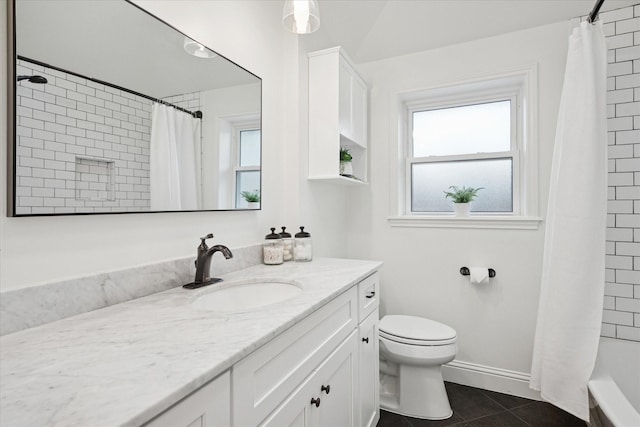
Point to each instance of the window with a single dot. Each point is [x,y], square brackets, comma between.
[475,134]
[247,165]
[463,145]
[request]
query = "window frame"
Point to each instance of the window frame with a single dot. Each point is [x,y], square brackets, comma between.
[521,80]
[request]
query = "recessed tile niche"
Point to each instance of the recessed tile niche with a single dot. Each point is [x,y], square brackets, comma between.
[95,179]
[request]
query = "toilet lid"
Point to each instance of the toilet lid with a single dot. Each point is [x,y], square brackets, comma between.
[415,330]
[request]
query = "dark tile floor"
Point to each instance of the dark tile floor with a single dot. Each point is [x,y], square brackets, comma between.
[474,407]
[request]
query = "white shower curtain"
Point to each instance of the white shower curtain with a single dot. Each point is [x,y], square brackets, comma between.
[174,160]
[572,289]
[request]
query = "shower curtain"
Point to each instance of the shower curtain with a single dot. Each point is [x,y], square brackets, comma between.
[174,160]
[572,289]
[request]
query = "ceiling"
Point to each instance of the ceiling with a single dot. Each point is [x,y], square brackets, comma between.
[371,30]
[118,43]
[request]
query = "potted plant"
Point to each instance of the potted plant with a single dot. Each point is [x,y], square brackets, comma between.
[252,198]
[461,198]
[346,169]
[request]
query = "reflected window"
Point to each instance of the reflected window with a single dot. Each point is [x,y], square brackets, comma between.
[247,166]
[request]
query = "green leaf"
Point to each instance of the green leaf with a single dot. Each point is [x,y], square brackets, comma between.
[462,195]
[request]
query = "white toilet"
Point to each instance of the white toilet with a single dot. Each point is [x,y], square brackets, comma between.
[412,352]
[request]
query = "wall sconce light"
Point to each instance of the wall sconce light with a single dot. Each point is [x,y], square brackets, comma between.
[301,16]
[194,48]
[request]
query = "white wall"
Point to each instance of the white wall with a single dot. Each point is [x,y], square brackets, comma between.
[43,249]
[495,323]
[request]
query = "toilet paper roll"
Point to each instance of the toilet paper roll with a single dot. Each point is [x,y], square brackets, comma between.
[478,275]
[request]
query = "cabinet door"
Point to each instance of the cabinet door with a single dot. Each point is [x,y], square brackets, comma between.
[210,406]
[337,391]
[311,406]
[344,100]
[359,111]
[368,372]
[294,412]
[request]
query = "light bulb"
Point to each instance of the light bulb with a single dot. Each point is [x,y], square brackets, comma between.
[301,16]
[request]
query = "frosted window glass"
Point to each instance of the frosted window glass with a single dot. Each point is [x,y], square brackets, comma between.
[481,128]
[250,148]
[429,180]
[246,181]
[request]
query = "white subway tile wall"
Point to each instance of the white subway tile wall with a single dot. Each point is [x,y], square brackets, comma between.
[80,146]
[621,317]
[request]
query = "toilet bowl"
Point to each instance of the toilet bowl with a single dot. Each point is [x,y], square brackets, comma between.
[412,352]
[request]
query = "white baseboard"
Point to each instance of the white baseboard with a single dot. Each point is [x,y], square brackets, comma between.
[489,378]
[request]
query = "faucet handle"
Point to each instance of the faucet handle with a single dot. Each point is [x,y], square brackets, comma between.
[208,236]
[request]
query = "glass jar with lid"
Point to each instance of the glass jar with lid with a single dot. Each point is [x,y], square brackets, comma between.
[287,245]
[272,250]
[303,249]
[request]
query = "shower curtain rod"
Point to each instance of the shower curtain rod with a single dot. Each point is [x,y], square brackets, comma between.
[195,114]
[593,16]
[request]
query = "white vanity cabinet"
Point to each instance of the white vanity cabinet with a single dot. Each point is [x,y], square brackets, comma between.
[277,372]
[209,406]
[321,372]
[307,361]
[338,116]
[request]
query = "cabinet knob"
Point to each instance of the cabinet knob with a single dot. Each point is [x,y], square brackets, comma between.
[315,402]
[326,388]
[371,294]
[365,339]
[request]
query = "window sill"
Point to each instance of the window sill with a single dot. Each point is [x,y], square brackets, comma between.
[473,221]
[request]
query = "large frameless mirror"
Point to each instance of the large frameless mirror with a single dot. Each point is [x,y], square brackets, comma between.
[116,111]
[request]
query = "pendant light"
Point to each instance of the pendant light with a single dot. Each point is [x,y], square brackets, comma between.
[301,16]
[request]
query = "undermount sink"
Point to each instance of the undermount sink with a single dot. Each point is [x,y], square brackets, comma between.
[246,295]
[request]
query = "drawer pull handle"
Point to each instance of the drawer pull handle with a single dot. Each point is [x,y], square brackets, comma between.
[365,339]
[326,388]
[315,402]
[371,295]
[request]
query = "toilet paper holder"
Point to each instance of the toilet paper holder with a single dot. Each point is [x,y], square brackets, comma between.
[465,271]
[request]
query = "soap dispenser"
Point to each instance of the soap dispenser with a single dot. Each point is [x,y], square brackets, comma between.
[272,250]
[303,250]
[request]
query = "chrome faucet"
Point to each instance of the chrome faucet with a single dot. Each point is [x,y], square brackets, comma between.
[203,263]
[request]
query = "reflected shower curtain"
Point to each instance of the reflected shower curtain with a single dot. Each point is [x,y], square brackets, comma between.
[572,289]
[174,160]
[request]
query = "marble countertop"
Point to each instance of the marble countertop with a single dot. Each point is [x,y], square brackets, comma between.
[124,364]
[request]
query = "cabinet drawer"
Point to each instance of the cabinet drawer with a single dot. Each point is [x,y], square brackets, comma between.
[368,295]
[262,380]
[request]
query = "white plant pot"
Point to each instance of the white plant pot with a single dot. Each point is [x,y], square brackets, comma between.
[346,168]
[462,209]
[253,205]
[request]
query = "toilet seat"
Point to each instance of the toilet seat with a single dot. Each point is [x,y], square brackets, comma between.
[415,331]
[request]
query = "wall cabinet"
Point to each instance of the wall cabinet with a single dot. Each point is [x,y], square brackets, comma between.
[338,116]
